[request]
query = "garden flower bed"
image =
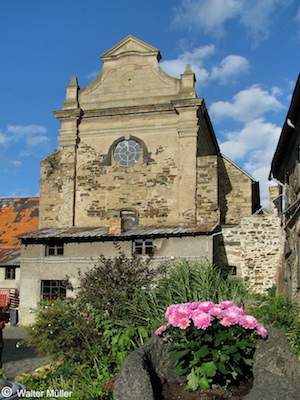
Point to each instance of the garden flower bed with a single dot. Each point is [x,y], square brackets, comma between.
[214,343]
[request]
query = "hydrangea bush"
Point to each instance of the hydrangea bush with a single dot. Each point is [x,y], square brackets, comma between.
[213,343]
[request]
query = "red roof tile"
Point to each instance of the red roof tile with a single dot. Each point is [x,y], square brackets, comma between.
[17,216]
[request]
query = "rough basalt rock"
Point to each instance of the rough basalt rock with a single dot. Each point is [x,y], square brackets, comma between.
[276,371]
[138,378]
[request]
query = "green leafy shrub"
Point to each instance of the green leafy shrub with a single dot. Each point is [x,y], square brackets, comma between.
[58,331]
[282,313]
[118,337]
[113,283]
[94,327]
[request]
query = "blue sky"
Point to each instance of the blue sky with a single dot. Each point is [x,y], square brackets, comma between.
[245,54]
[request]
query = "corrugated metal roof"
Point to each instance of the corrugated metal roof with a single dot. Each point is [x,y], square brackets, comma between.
[10,256]
[103,232]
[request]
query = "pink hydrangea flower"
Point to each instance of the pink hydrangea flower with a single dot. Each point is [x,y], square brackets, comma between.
[194,305]
[184,323]
[184,311]
[217,311]
[174,319]
[224,321]
[205,306]
[226,304]
[237,309]
[201,319]
[248,322]
[160,330]
[170,310]
[261,331]
[230,317]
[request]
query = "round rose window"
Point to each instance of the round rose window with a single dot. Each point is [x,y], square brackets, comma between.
[127,153]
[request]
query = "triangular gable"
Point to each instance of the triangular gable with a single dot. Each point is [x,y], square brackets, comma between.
[130,46]
[239,168]
[130,76]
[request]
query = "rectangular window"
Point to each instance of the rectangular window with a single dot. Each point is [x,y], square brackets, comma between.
[143,246]
[10,273]
[54,249]
[51,289]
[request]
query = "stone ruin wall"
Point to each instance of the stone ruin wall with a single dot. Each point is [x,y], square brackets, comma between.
[255,248]
[151,189]
[57,189]
[235,193]
[207,189]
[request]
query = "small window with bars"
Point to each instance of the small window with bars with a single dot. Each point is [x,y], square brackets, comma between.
[143,246]
[52,289]
[54,249]
[10,273]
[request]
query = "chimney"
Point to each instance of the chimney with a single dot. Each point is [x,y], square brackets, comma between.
[115,225]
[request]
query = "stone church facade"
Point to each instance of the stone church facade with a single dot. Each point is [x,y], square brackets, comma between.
[139,167]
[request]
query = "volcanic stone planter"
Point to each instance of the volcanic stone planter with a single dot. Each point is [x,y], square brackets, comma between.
[276,370]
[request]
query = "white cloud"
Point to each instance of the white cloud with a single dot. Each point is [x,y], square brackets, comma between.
[36,140]
[24,138]
[226,72]
[195,58]
[231,66]
[246,105]
[257,135]
[8,161]
[4,139]
[93,75]
[22,130]
[256,143]
[297,19]
[211,15]
[33,135]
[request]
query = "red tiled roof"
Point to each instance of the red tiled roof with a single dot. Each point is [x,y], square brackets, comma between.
[17,216]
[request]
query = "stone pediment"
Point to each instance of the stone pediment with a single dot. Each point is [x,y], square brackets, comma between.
[130,77]
[130,46]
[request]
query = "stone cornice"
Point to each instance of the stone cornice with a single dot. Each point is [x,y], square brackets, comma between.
[170,107]
[68,114]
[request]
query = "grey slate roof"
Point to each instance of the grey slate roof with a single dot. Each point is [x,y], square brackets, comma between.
[102,232]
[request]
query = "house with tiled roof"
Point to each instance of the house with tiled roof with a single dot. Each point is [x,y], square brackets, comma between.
[17,216]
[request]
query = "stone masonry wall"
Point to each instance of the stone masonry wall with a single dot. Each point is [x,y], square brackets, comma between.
[207,189]
[255,248]
[148,188]
[235,192]
[57,189]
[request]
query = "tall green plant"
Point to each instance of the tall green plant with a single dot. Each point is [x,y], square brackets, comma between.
[183,281]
